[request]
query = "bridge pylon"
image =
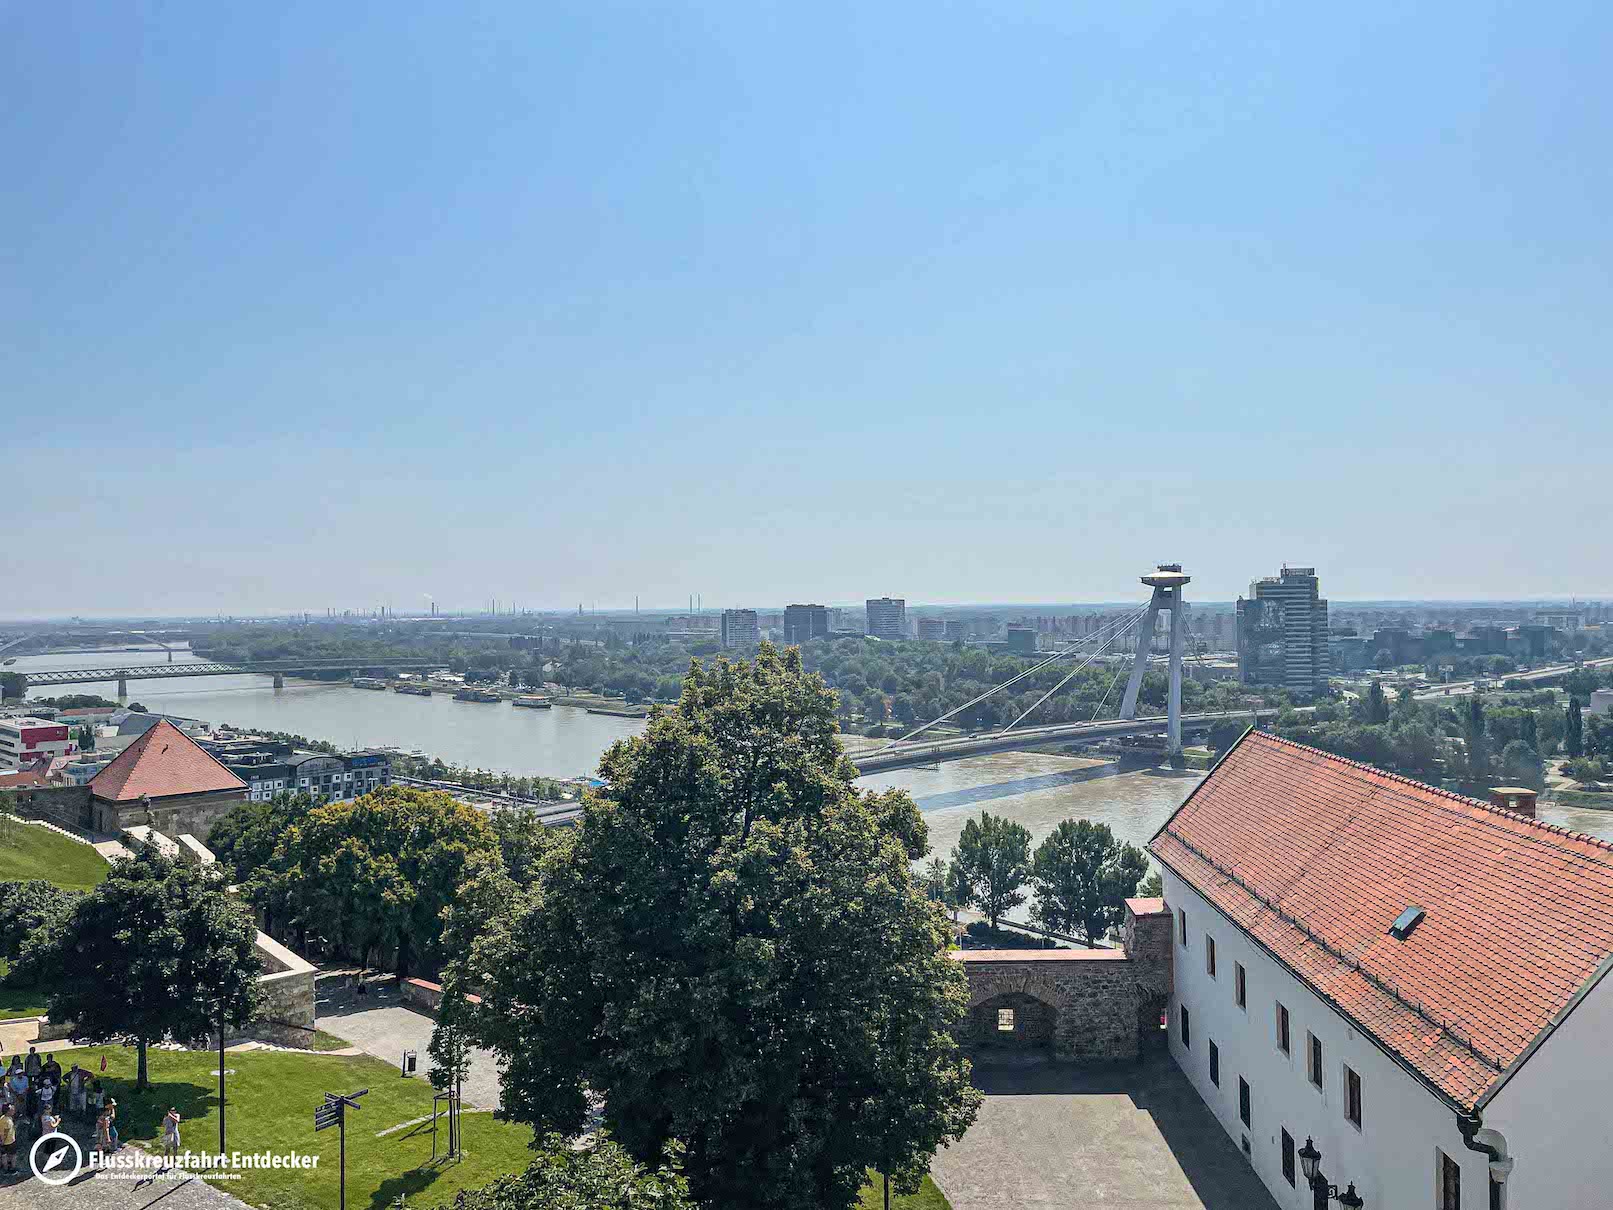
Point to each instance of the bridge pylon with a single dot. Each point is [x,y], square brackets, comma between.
[1167,580]
[123,686]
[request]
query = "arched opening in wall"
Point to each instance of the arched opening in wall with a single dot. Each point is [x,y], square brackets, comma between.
[1013,1021]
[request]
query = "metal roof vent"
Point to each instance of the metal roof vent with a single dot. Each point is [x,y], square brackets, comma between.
[1405,922]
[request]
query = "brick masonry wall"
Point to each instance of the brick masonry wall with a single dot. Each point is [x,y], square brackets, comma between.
[1092,1004]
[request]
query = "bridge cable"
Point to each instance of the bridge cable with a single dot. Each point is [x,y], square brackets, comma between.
[1082,666]
[1034,668]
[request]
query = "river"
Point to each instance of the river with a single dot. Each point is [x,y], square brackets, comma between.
[1037,789]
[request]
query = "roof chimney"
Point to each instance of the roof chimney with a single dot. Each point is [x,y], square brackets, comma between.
[1520,800]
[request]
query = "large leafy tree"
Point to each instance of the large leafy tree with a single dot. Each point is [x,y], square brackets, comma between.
[564,1177]
[1082,876]
[993,856]
[28,909]
[376,872]
[157,951]
[732,951]
[244,838]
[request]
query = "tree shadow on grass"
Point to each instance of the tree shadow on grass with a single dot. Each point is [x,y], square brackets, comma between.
[140,1113]
[409,1183]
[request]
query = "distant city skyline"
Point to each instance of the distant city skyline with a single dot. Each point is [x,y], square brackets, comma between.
[308,305]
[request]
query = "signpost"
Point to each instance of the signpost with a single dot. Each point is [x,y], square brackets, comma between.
[334,1113]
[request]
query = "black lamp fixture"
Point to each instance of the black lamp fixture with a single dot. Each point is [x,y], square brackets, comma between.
[1310,1163]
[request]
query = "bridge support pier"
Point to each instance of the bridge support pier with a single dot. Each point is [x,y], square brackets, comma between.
[279,681]
[1167,581]
[123,686]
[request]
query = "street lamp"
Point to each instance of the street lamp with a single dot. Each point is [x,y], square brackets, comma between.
[1310,1163]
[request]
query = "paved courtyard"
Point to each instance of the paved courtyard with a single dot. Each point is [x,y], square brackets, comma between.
[1060,1135]
[380,1025]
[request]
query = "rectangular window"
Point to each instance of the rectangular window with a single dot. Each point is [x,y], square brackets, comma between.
[1282,1030]
[1215,1064]
[1240,989]
[1243,1100]
[1209,955]
[1187,1027]
[1314,1067]
[1450,1183]
[1352,1097]
[1181,925]
[1288,1158]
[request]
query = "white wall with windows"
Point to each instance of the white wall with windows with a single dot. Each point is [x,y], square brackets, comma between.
[1397,1151]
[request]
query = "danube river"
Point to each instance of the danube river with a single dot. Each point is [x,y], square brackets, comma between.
[1037,789]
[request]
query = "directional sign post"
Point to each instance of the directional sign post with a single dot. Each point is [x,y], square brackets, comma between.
[334,1113]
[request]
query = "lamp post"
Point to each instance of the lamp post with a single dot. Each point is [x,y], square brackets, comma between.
[1310,1163]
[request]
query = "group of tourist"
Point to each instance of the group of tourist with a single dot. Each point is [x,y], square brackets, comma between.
[35,1096]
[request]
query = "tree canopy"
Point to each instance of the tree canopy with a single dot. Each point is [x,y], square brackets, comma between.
[564,1177]
[993,858]
[1083,876]
[375,873]
[151,953]
[732,951]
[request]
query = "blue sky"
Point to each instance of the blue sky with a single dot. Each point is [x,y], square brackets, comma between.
[307,305]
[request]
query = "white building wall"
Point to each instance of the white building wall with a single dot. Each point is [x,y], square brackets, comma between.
[1552,1112]
[1393,1158]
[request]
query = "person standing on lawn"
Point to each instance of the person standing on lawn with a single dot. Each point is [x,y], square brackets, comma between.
[103,1132]
[112,1122]
[31,1065]
[77,1085]
[170,1137]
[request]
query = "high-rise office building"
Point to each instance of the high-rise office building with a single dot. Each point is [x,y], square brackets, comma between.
[739,628]
[887,618]
[932,628]
[1282,632]
[803,623]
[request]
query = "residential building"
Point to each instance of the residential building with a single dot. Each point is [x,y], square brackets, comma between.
[1413,980]
[803,623]
[739,628]
[164,780]
[1282,632]
[1601,702]
[270,767]
[26,738]
[933,629]
[887,617]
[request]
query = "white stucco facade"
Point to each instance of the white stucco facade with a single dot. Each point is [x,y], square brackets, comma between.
[1394,1157]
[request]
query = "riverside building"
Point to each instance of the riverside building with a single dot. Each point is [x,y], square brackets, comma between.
[1399,987]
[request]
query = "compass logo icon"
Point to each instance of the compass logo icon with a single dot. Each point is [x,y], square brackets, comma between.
[55,1158]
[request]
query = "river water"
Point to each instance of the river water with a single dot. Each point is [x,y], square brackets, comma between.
[1036,789]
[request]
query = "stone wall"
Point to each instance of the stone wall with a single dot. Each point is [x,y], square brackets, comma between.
[1092,995]
[65,806]
[426,996]
[287,983]
[1073,1004]
[184,813]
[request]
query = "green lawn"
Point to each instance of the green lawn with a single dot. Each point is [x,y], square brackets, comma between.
[28,852]
[927,1198]
[272,1097]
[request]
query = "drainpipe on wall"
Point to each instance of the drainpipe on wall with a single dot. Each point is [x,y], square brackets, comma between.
[1500,1165]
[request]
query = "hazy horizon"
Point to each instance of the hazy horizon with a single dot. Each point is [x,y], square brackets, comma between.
[310,306]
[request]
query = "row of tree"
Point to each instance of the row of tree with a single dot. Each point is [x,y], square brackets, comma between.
[1080,875]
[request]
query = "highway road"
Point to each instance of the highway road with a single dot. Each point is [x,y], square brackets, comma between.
[1462,688]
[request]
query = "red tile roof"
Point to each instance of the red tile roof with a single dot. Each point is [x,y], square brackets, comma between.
[160,764]
[1314,857]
